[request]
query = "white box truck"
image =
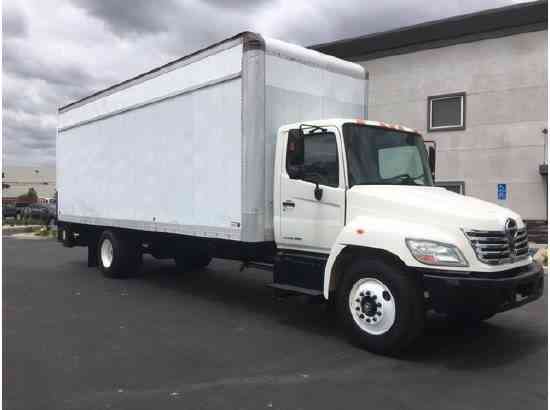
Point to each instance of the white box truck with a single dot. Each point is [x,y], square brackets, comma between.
[258,150]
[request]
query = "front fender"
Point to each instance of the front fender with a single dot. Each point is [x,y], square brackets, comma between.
[384,234]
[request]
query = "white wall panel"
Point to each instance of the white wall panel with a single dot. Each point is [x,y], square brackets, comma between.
[174,162]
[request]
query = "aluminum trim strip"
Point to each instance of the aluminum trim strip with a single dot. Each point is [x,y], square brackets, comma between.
[174,94]
[190,230]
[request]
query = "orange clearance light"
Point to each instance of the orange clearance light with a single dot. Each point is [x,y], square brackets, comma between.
[360,231]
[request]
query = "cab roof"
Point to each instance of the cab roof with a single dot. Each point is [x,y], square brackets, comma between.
[338,122]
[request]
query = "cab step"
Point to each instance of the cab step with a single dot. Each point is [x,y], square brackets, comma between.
[295,290]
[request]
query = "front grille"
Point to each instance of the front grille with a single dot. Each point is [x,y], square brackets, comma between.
[497,247]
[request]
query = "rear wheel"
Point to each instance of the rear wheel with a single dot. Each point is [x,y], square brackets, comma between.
[382,307]
[118,256]
[187,262]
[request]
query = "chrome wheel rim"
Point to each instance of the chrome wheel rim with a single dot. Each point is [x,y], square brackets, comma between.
[372,306]
[106,253]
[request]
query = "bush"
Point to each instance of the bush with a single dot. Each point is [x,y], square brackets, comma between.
[45,231]
[542,256]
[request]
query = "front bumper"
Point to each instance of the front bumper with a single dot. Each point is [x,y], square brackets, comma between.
[451,292]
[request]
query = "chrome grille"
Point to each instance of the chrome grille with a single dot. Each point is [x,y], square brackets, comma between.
[499,247]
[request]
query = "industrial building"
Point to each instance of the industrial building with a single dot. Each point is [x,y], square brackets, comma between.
[16,181]
[475,84]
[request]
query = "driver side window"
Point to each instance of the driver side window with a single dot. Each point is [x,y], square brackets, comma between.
[313,157]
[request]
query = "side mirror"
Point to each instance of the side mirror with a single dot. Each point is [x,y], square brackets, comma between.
[431,156]
[315,179]
[431,160]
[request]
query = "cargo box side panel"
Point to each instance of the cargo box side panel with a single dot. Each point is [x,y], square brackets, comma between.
[298,92]
[171,166]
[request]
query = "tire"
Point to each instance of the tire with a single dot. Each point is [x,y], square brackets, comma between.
[187,263]
[381,306]
[118,255]
[67,237]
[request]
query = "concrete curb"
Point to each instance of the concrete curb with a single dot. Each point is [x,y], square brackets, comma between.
[27,236]
[12,230]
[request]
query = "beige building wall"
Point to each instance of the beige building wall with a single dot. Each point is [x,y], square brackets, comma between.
[505,80]
[20,179]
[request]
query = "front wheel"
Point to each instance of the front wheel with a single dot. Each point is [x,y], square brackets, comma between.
[381,305]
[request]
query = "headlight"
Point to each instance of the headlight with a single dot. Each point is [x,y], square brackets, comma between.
[435,253]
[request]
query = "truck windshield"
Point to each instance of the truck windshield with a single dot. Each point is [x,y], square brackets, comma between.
[381,156]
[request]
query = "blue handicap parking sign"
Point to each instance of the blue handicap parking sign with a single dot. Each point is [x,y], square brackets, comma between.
[501,191]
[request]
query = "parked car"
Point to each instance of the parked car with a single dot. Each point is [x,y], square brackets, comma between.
[42,212]
[16,210]
[9,211]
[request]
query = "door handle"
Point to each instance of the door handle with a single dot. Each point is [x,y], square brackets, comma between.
[288,204]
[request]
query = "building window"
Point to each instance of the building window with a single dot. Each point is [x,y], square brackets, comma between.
[447,112]
[454,186]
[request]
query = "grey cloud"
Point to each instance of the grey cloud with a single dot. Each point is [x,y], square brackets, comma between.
[28,140]
[135,17]
[35,84]
[237,4]
[14,22]
[17,60]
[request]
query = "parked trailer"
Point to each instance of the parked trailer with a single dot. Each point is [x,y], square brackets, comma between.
[255,150]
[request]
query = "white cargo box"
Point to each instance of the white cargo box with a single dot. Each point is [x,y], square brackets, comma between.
[188,147]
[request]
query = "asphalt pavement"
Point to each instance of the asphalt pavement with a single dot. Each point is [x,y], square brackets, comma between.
[218,339]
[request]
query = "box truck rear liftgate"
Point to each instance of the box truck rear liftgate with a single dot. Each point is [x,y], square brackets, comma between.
[255,150]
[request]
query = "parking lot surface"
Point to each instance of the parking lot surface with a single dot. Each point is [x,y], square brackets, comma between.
[218,339]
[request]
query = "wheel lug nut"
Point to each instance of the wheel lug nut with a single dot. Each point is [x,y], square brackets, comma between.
[386,295]
[358,300]
[368,293]
[374,319]
[362,316]
[361,294]
[374,297]
[378,304]
[368,320]
[358,308]
[379,313]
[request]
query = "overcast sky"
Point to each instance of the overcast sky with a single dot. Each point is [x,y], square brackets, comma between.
[56,51]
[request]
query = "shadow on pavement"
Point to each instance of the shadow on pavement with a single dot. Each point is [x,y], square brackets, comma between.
[488,345]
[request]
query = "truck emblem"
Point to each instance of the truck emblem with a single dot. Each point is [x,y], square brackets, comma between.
[511,230]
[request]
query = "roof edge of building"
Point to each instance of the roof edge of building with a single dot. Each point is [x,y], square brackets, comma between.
[485,24]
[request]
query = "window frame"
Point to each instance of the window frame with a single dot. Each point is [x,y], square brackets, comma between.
[342,182]
[462,125]
[445,184]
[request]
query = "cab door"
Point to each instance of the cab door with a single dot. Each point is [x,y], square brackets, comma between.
[312,190]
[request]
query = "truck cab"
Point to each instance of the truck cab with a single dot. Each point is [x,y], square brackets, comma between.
[358,218]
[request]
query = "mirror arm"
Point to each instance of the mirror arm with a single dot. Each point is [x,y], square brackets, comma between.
[318,192]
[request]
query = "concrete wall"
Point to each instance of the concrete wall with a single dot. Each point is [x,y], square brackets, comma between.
[505,80]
